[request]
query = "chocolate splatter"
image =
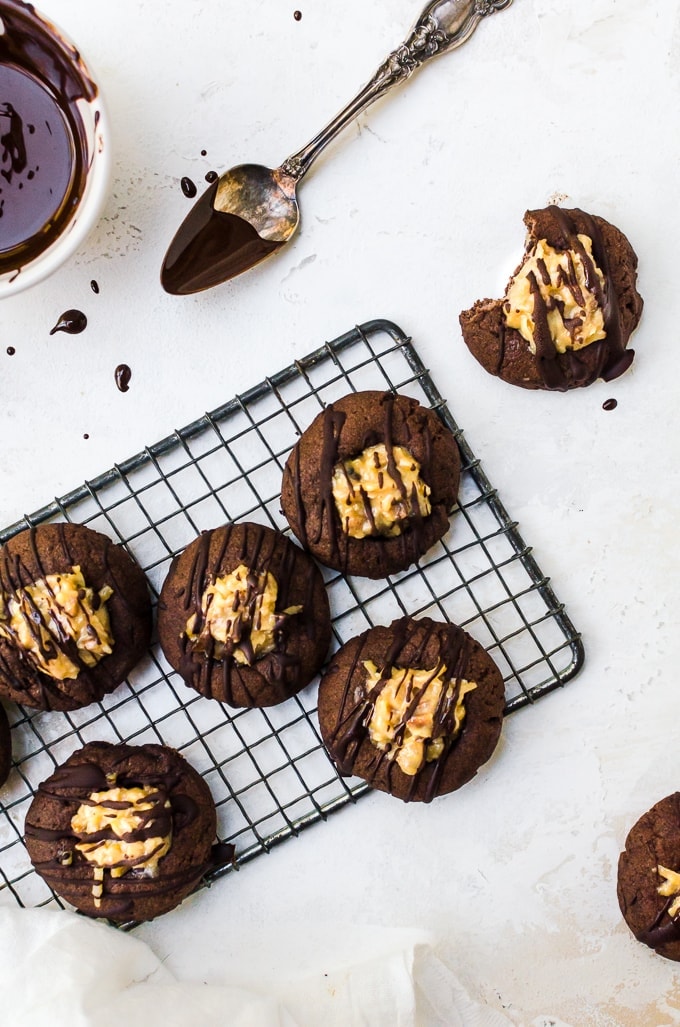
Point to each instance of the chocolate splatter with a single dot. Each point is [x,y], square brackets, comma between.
[11,351]
[188,188]
[123,374]
[204,153]
[73,322]
[211,176]
[610,404]
[94,286]
[297,15]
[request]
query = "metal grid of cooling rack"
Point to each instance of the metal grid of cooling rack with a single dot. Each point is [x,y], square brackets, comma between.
[267,769]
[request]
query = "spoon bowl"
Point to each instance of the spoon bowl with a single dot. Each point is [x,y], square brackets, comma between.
[243,217]
[251,211]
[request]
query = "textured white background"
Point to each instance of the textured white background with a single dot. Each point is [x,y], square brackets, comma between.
[415,212]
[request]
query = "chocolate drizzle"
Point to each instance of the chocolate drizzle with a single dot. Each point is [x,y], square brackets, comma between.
[350,737]
[562,371]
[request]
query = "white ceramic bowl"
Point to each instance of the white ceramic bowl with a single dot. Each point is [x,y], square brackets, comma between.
[90,128]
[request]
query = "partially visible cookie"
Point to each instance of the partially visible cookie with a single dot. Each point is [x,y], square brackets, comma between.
[75,616]
[369,486]
[244,616]
[122,832]
[415,708]
[649,878]
[5,746]
[569,309]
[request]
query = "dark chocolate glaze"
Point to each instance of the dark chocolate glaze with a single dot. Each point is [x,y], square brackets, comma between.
[354,713]
[210,247]
[564,371]
[72,322]
[43,144]
[200,656]
[188,187]
[123,374]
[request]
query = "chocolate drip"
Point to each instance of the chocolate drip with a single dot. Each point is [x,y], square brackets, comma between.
[188,188]
[73,322]
[123,374]
[354,716]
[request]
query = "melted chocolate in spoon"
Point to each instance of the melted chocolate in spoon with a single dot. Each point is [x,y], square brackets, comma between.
[211,247]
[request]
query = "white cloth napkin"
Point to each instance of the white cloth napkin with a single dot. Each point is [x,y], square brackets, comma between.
[59,967]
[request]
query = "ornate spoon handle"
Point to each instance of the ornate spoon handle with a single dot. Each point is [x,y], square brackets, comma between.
[442,26]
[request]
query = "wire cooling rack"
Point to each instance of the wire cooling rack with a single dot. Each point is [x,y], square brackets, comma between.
[267,769]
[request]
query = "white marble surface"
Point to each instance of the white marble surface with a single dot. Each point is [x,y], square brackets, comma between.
[411,215]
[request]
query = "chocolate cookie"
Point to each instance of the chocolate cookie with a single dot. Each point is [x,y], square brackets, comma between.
[415,709]
[75,616]
[369,486]
[569,309]
[244,616]
[5,746]
[121,831]
[649,878]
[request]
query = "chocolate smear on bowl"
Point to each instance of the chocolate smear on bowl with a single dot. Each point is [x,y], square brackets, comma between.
[43,143]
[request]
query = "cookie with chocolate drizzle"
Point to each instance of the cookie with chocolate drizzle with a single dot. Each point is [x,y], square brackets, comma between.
[75,616]
[414,709]
[5,746]
[244,616]
[122,832]
[569,309]
[369,486]
[649,878]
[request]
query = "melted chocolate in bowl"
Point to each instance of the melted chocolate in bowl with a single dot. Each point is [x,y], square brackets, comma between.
[48,125]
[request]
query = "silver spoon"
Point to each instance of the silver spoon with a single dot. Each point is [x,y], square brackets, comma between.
[251,211]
